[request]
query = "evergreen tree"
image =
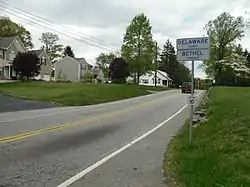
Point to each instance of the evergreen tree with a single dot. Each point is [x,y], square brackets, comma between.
[68,52]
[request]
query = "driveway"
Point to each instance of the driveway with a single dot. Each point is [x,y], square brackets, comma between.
[10,104]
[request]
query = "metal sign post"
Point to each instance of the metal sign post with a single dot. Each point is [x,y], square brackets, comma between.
[191,104]
[191,49]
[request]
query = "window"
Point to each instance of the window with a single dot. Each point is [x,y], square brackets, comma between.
[159,81]
[145,81]
[1,71]
[1,54]
[12,55]
[44,61]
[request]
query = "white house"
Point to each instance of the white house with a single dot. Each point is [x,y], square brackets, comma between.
[149,79]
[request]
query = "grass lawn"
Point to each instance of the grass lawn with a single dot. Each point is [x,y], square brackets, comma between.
[74,93]
[220,153]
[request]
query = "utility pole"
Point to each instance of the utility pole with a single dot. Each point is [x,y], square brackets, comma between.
[139,57]
[156,62]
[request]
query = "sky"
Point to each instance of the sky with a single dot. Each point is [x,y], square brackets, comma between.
[103,22]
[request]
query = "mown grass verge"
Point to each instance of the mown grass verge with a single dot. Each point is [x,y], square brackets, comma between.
[73,94]
[220,153]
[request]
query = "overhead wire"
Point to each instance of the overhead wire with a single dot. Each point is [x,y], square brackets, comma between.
[78,37]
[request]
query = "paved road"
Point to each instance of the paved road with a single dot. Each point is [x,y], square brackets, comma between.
[107,145]
[10,104]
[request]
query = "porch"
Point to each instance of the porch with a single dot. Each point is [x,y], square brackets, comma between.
[7,72]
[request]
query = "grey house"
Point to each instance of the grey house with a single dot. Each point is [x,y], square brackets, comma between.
[71,69]
[98,75]
[74,69]
[46,66]
[9,48]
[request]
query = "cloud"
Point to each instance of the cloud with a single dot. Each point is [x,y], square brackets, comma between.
[106,20]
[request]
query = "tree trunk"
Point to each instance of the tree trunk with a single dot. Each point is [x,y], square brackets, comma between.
[138,75]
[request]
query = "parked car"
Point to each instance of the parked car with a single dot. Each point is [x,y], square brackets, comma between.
[186,87]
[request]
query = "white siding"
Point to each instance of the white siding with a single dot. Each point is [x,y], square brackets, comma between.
[68,69]
[148,79]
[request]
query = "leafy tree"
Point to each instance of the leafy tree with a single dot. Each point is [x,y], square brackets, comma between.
[168,63]
[103,61]
[246,54]
[51,45]
[234,68]
[88,77]
[26,65]
[118,70]
[10,28]
[224,31]
[138,46]
[68,52]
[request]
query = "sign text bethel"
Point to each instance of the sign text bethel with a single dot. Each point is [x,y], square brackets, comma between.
[193,49]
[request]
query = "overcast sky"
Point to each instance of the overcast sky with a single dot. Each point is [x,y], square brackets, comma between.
[106,20]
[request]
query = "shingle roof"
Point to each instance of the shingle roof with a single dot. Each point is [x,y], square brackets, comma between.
[38,52]
[6,41]
[82,61]
[96,71]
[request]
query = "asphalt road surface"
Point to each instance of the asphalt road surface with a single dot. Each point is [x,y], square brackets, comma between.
[11,104]
[118,144]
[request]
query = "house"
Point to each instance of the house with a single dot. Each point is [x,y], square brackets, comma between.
[72,69]
[46,66]
[149,79]
[98,75]
[9,48]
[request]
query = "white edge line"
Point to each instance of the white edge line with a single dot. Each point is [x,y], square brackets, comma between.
[115,153]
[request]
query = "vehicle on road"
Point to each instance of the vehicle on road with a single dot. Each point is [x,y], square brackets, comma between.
[186,87]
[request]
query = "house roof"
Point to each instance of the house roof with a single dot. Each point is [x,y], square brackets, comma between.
[164,74]
[83,61]
[37,52]
[5,42]
[96,71]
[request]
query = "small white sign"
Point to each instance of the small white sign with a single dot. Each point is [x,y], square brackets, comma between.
[193,43]
[194,54]
[191,99]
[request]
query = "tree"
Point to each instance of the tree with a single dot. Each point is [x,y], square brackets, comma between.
[51,45]
[234,68]
[68,52]
[26,65]
[103,61]
[246,54]
[9,28]
[138,47]
[168,63]
[88,77]
[118,70]
[224,31]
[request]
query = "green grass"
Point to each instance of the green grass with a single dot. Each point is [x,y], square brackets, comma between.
[220,153]
[74,93]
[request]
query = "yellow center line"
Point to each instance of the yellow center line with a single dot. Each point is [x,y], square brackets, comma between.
[81,122]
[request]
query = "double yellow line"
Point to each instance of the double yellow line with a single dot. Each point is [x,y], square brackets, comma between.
[67,125]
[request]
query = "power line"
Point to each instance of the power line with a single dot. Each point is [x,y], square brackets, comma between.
[81,39]
[49,21]
[63,33]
